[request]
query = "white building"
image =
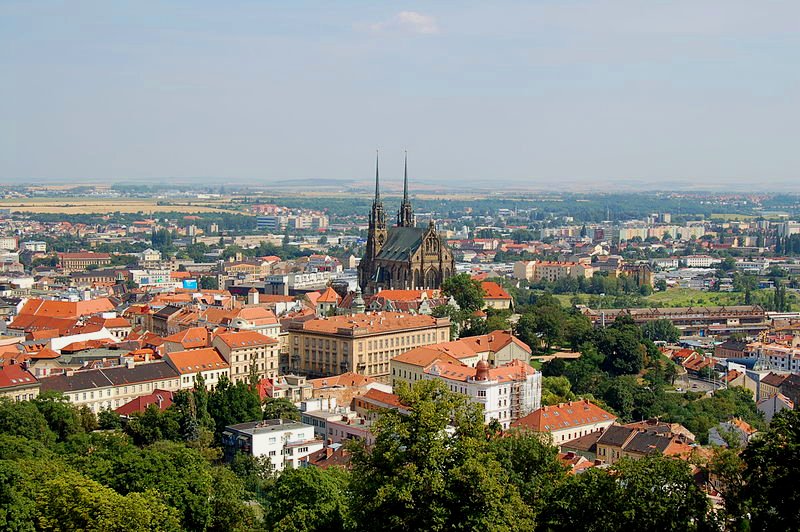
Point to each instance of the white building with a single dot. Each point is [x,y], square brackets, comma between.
[153,278]
[700,261]
[34,246]
[506,393]
[285,443]
[8,243]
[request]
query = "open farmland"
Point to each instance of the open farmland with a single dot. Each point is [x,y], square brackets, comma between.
[78,205]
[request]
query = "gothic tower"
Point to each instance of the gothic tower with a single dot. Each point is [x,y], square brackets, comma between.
[376,234]
[405,216]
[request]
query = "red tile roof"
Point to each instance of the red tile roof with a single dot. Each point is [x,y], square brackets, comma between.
[329,296]
[13,375]
[197,360]
[160,398]
[564,416]
[191,338]
[236,340]
[348,379]
[493,290]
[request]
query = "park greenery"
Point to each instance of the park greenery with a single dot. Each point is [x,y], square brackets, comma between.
[438,467]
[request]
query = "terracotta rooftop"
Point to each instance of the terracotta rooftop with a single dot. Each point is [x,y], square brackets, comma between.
[564,416]
[375,323]
[328,296]
[245,339]
[160,398]
[66,309]
[191,338]
[513,371]
[425,356]
[197,360]
[13,375]
[492,290]
[348,379]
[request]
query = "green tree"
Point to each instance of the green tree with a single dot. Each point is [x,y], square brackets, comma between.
[232,403]
[420,476]
[653,493]
[24,419]
[62,417]
[280,408]
[209,282]
[309,499]
[467,291]
[661,330]
[70,501]
[770,491]
[556,390]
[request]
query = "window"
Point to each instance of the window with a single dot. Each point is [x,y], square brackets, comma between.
[272,453]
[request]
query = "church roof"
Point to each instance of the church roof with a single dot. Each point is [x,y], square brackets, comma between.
[401,243]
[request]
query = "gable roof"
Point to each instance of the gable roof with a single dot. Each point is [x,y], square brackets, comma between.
[424,357]
[492,290]
[99,378]
[348,379]
[774,379]
[12,376]
[383,399]
[197,360]
[245,339]
[160,398]
[328,296]
[401,243]
[191,338]
[564,416]
[66,309]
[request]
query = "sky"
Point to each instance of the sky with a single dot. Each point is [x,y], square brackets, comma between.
[545,94]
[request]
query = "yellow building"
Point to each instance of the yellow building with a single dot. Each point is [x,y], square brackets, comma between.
[361,343]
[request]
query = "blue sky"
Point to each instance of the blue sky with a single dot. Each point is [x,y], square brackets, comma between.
[538,92]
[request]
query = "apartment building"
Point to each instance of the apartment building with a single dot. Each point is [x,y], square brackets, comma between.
[287,444]
[246,349]
[567,421]
[71,262]
[17,384]
[206,362]
[109,388]
[507,393]
[362,343]
[551,271]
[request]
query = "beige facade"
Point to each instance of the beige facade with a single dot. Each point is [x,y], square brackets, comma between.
[244,349]
[551,271]
[17,383]
[103,389]
[361,343]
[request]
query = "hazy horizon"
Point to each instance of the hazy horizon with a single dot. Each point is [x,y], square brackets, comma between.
[581,95]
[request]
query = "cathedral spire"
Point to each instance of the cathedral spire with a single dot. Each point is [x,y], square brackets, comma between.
[405,216]
[405,178]
[377,179]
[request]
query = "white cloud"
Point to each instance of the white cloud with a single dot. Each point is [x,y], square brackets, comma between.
[407,22]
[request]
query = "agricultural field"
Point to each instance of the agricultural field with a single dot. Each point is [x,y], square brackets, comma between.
[79,205]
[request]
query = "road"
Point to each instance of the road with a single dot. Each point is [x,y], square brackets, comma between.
[692,384]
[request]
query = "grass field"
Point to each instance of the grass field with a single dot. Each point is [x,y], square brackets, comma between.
[732,217]
[78,205]
[675,297]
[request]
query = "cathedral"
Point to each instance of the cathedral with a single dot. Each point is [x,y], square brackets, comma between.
[403,257]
